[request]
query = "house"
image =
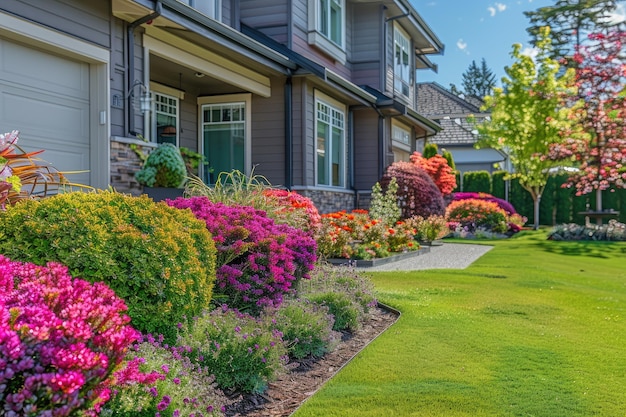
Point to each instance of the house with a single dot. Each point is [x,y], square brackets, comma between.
[458,134]
[317,96]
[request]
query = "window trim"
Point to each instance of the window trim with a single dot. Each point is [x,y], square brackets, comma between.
[401,145]
[341,108]
[169,92]
[400,33]
[246,98]
[322,41]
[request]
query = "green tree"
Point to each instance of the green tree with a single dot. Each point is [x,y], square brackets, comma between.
[527,116]
[478,81]
[570,21]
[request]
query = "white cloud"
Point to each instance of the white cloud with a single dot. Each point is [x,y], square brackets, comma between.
[496,8]
[462,45]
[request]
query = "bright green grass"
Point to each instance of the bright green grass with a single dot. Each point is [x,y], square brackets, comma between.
[533,328]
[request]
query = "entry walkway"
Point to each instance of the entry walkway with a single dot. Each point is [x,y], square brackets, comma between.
[446,256]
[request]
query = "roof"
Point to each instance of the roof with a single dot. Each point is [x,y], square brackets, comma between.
[451,112]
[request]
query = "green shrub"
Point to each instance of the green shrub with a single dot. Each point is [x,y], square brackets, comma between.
[307,328]
[384,205]
[498,184]
[159,259]
[164,167]
[342,307]
[430,150]
[242,352]
[178,386]
[328,278]
[448,156]
[477,181]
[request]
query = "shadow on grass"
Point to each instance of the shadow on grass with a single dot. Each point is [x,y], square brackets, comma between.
[594,249]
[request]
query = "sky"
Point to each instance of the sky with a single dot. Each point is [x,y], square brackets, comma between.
[473,30]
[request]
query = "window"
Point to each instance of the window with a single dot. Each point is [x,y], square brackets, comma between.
[327,27]
[165,119]
[403,69]
[330,22]
[211,8]
[330,146]
[401,141]
[225,133]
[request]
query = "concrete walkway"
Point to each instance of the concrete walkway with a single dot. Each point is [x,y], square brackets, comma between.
[446,256]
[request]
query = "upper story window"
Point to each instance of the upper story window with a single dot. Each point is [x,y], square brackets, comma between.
[403,68]
[327,27]
[330,21]
[330,144]
[401,141]
[211,8]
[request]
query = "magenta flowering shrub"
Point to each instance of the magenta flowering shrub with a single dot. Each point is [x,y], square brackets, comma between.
[258,261]
[60,340]
[504,205]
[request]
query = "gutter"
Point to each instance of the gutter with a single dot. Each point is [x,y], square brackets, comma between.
[130,50]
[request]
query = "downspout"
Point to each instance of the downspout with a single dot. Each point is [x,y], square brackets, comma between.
[381,144]
[288,131]
[130,38]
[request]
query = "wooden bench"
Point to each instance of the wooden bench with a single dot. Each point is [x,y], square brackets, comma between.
[598,215]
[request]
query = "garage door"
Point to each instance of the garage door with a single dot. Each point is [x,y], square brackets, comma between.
[46,97]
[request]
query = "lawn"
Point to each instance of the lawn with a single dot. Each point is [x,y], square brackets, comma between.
[533,328]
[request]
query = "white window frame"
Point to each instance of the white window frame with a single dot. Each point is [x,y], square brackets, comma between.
[401,136]
[169,93]
[316,35]
[228,99]
[209,8]
[402,74]
[337,118]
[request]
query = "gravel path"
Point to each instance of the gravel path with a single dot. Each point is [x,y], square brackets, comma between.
[446,256]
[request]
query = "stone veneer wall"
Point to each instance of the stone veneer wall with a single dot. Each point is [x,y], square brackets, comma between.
[124,163]
[330,201]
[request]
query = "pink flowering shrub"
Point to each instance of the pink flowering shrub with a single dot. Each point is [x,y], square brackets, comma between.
[258,261]
[60,340]
[417,194]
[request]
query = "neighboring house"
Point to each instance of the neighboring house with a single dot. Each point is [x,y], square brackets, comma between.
[317,96]
[458,134]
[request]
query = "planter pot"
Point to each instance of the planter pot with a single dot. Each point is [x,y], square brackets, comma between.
[163,193]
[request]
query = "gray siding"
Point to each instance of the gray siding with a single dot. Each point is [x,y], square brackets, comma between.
[85,20]
[268,134]
[118,77]
[366,54]
[365,149]
[270,17]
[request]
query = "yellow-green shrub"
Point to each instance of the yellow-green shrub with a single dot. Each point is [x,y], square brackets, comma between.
[159,259]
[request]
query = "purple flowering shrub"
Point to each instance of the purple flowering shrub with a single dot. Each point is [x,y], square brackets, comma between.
[60,340]
[162,380]
[417,193]
[258,261]
[243,352]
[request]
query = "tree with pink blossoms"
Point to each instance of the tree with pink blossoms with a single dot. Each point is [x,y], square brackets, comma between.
[597,142]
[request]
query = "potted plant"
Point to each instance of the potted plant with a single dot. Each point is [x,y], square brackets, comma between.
[164,173]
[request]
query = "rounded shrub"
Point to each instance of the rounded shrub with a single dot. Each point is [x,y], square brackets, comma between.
[418,195]
[164,167]
[307,328]
[474,214]
[60,340]
[344,309]
[159,259]
[244,353]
